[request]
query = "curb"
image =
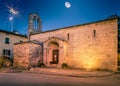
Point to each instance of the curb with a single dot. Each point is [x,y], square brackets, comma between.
[71,75]
[81,74]
[10,71]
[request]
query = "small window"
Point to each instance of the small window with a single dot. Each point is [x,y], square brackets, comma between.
[68,36]
[6,52]
[21,41]
[7,40]
[94,33]
[49,37]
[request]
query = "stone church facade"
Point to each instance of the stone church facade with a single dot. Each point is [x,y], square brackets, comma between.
[87,46]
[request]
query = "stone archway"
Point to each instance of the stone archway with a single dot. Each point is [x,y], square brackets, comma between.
[54,52]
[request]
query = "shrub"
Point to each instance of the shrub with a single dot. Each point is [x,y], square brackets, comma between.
[64,65]
[53,62]
[5,62]
[1,62]
[40,64]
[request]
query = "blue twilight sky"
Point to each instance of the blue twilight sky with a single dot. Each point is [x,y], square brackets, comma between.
[54,14]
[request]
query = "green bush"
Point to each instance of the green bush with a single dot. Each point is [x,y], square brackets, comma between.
[64,65]
[5,62]
[40,64]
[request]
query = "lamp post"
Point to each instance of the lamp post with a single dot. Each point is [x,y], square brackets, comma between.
[13,12]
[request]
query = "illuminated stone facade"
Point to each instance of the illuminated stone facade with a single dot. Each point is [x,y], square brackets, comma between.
[86,46]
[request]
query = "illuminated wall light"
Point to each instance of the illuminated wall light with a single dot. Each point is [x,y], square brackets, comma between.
[91,62]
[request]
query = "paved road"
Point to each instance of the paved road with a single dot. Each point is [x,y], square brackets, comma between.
[29,79]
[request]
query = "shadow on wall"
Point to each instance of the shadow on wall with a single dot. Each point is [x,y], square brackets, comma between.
[118,59]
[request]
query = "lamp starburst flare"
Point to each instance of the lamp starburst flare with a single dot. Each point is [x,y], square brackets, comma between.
[12,10]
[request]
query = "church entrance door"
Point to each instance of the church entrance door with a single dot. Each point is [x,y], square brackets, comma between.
[55,56]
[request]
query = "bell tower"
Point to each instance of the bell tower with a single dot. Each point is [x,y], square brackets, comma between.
[34,24]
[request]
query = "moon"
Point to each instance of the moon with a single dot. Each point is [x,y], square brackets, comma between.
[67,4]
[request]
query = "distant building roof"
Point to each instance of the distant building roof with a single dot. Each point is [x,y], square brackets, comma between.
[34,41]
[13,33]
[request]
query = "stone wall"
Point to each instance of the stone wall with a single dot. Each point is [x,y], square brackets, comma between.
[27,54]
[89,46]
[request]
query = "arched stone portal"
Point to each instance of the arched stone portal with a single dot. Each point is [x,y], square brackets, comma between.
[54,52]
